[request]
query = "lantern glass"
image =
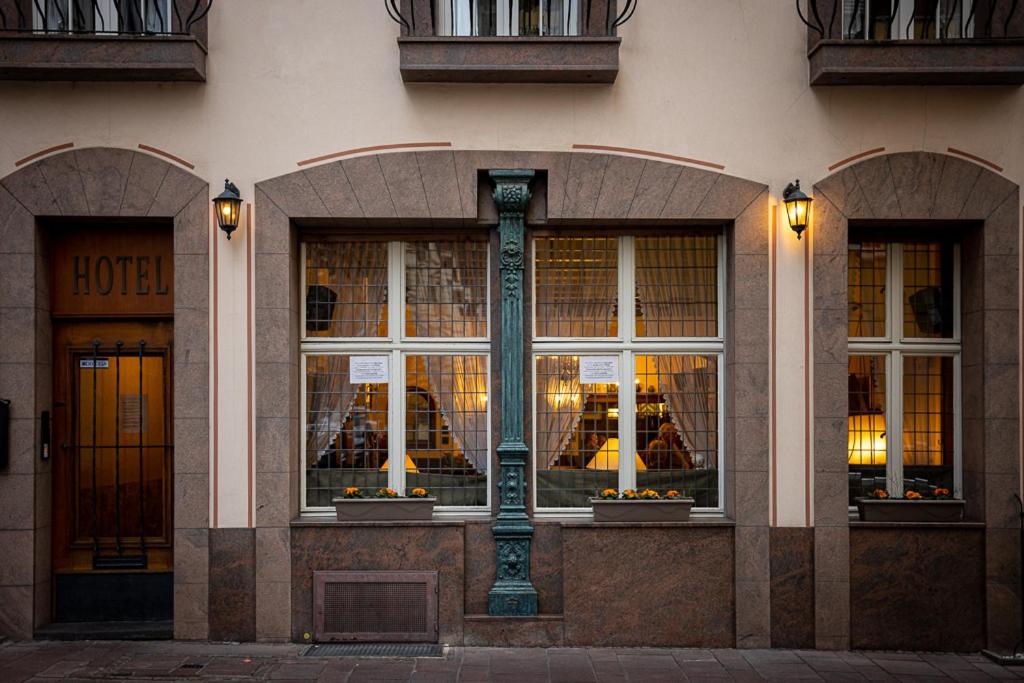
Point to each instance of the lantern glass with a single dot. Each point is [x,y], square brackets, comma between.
[797,210]
[227,212]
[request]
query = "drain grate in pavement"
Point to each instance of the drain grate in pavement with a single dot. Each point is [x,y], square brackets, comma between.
[374,650]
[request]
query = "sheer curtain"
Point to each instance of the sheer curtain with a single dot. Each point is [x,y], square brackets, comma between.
[357,274]
[445,296]
[559,404]
[690,390]
[676,282]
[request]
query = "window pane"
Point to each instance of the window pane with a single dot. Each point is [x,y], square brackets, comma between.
[446,289]
[866,439]
[927,422]
[346,289]
[577,434]
[447,449]
[677,425]
[576,286]
[927,290]
[529,17]
[866,289]
[346,431]
[677,286]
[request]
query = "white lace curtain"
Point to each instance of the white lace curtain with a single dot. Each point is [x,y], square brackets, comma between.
[559,404]
[443,301]
[357,275]
[689,384]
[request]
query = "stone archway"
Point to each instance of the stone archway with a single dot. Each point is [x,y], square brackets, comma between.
[931,190]
[425,190]
[98,183]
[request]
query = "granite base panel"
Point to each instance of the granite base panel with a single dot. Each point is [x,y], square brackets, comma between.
[792,587]
[487,631]
[396,546]
[637,586]
[917,589]
[233,584]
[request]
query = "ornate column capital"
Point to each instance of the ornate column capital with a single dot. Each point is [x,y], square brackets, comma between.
[511,191]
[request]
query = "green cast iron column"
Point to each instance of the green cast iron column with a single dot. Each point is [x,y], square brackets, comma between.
[512,593]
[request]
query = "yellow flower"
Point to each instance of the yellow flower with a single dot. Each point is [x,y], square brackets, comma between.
[352,490]
[649,494]
[419,493]
[629,493]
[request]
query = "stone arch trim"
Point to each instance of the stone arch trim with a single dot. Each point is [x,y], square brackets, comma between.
[81,183]
[427,189]
[924,186]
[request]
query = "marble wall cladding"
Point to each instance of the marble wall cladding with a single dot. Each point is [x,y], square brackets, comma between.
[917,588]
[232,584]
[651,586]
[792,587]
[397,546]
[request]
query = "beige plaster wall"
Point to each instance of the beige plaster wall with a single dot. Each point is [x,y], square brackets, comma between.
[719,80]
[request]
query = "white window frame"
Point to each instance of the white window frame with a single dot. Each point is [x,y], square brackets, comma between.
[105,15]
[454,18]
[626,346]
[894,347]
[903,16]
[397,347]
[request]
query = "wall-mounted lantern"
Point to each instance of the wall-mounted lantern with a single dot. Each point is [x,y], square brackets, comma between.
[227,204]
[798,207]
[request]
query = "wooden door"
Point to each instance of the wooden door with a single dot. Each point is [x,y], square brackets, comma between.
[112,507]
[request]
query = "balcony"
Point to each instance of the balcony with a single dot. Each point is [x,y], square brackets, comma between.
[103,40]
[509,41]
[938,42]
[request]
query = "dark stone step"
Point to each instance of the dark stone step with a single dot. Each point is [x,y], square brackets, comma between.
[107,630]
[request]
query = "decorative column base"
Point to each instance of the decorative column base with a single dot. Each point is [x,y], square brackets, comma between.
[512,594]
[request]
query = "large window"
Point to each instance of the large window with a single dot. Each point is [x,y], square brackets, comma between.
[627,359]
[395,358]
[908,19]
[102,16]
[904,367]
[507,17]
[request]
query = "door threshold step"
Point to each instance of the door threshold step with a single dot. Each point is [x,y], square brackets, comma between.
[107,630]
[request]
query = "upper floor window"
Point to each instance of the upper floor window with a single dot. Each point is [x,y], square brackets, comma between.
[904,426]
[395,355]
[507,17]
[627,359]
[913,19]
[102,16]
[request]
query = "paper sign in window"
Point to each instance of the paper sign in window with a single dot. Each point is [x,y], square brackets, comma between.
[599,369]
[134,413]
[369,370]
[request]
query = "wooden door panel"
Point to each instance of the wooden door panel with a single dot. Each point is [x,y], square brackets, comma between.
[111,422]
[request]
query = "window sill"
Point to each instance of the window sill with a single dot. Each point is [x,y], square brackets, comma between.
[461,59]
[699,522]
[917,62]
[40,57]
[317,520]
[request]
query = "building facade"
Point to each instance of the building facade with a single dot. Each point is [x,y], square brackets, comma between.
[507,246]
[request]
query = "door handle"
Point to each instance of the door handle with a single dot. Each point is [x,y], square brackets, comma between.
[44,435]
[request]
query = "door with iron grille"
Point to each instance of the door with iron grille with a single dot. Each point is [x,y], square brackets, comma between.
[112,470]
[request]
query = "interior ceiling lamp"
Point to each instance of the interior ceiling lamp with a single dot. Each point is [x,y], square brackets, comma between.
[227,205]
[798,206]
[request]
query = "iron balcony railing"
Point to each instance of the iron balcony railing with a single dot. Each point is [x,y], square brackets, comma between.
[515,17]
[911,19]
[103,17]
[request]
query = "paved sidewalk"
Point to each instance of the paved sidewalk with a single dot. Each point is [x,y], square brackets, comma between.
[169,661]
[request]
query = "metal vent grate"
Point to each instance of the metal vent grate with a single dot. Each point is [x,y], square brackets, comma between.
[374,650]
[375,606]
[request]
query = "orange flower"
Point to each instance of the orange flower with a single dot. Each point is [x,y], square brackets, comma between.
[673,494]
[649,494]
[912,495]
[941,492]
[879,493]
[629,493]
[351,490]
[418,493]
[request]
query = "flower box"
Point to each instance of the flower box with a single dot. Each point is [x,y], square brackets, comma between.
[901,510]
[383,509]
[673,510]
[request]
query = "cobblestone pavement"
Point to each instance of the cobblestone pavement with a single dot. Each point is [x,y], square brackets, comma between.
[169,661]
